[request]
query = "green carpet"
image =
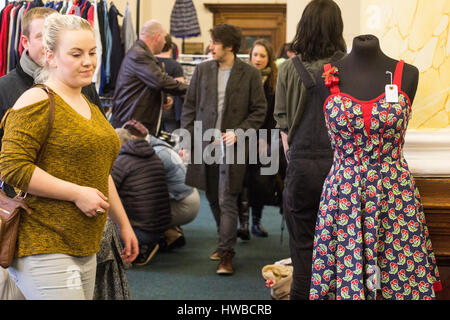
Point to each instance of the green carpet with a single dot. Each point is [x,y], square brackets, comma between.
[187,273]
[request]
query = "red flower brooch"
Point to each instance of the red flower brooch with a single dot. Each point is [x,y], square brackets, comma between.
[331,79]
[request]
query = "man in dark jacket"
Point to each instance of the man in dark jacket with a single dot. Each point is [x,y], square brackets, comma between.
[224,93]
[141,83]
[140,179]
[16,82]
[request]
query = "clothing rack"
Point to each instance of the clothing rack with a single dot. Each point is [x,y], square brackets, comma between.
[111,51]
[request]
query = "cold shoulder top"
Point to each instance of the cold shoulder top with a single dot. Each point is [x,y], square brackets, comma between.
[79,150]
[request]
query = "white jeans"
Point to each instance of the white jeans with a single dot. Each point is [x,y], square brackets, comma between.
[55,276]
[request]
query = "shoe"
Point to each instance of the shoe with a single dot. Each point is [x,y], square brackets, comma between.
[259,231]
[243,233]
[146,252]
[214,256]
[174,238]
[178,243]
[163,247]
[225,266]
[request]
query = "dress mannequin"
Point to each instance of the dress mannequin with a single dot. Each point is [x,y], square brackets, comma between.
[359,242]
[363,75]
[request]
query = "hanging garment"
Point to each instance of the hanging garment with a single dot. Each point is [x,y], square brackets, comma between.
[75,9]
[183,20]
[85,9]
[4,38]
[370,229]
[30,5]
[128,34]
[19,29]
[108,48]
[14,31]
[97,74]
[59,6]
[90,15]
[11,28]
[105,33]
[64,8]
[116,46]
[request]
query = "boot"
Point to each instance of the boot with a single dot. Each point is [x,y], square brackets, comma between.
[243,213]
[257,228]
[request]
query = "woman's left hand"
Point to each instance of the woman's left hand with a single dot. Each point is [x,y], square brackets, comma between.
[131,245]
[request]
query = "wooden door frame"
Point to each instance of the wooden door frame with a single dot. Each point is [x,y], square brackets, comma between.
[274,14]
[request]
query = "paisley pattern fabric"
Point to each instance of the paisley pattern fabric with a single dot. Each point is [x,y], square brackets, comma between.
[371,239]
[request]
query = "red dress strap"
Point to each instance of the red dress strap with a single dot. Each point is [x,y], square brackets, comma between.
[399,74]
[334,88]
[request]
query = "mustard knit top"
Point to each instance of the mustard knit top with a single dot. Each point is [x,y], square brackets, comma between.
[79,150]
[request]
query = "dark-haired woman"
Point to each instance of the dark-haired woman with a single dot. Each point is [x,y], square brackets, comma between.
[284,53]
[299,114]
[261,188]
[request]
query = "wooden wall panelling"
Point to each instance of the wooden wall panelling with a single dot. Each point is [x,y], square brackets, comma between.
[435,196]
[267,20]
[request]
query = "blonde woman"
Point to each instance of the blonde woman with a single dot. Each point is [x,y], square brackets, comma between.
[70,191]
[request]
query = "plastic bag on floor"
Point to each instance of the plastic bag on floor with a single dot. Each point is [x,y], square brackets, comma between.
[279,278]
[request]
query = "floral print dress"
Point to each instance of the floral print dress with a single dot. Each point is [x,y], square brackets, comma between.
[371,239]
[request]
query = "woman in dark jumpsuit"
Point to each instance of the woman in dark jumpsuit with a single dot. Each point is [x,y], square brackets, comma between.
[299,113]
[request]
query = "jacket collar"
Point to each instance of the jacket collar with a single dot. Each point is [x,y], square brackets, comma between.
[237,66]
[237,71]
[142,44]
[235,74]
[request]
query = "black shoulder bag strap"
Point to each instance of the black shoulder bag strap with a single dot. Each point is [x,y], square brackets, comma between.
[303,73]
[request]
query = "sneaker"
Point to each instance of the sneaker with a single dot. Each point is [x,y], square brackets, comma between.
[146,252]
[225,266]
[215,256]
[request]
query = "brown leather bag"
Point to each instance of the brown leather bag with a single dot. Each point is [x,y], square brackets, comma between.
[11,208]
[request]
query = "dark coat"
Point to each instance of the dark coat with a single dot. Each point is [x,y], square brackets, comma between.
[244,108]
[269,122]
[140,180]
[139,89]
[266,189]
